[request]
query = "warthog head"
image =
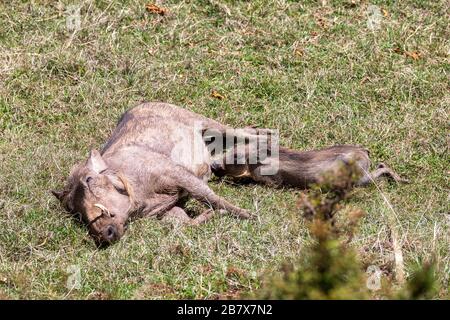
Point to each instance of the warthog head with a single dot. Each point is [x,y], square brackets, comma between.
[100,197]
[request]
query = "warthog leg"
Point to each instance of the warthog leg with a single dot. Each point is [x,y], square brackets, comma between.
[380,171]
[200,191]
[179,215]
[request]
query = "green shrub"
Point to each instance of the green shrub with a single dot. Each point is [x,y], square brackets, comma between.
[330,269]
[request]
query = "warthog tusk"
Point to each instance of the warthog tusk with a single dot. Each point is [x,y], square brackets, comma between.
[103,208]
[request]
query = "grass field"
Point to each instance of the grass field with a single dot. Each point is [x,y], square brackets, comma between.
[314,70]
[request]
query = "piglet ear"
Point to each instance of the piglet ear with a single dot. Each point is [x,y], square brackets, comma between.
[95,162]
[60,195]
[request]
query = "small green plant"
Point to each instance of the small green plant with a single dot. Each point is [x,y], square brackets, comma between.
[330,269]
[421,285]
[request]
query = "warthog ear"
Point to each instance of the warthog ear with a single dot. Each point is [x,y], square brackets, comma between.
[95,162]
[60,195]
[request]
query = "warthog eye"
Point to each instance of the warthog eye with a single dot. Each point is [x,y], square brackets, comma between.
[121,190]
[88,179]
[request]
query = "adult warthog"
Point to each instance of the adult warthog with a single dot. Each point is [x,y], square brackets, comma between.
[160,154]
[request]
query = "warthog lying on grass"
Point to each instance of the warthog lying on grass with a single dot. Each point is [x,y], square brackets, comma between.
[158,155]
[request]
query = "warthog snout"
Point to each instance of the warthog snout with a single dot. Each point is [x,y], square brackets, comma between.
[106,232]
[110,233]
